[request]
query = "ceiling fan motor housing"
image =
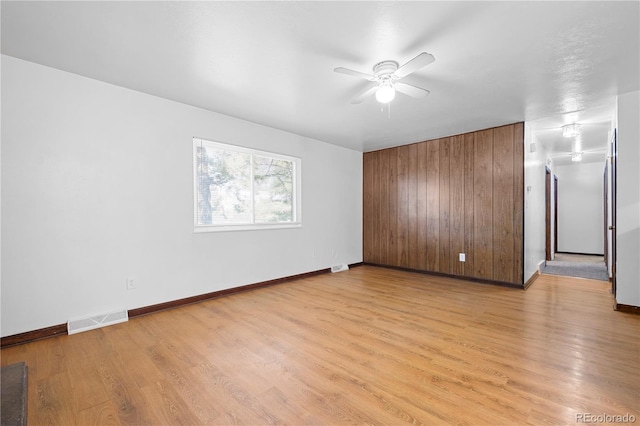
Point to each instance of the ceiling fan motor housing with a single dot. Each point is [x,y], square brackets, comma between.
[385,69]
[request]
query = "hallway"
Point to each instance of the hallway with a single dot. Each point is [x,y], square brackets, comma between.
[577,265]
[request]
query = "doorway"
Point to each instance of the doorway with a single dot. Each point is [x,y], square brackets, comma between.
[571,226]
[551,215]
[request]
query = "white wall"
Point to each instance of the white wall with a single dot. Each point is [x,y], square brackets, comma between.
[581,207]
[628,200]
[97,186]
[534,203]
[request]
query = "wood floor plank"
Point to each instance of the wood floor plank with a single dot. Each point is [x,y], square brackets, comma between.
[83,349]
[168,404]
[52,407]
[104,414]
[368,345]
[291,413]
[300,378]
[186,385]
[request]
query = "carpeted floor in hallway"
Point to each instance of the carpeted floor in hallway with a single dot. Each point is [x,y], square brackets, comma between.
[577,265]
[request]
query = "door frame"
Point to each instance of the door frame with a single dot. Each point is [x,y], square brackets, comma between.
[614,190]
[547,207]
[555,214]
[606,213]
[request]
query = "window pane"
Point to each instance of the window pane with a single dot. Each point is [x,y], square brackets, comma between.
[224,186]
[273,190]
[238,188]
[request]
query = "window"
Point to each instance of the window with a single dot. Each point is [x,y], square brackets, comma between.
[239,188]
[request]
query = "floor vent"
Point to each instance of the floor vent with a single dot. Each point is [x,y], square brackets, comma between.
[339,268]
[89,323]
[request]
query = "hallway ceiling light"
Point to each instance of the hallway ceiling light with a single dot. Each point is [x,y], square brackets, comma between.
[576,156]
[571,130]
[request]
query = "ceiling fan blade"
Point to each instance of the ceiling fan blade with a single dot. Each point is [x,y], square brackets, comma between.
[420,61]
[411,90]
[353,73]
[370,91]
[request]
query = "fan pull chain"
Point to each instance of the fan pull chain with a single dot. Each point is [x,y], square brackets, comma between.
[388,109]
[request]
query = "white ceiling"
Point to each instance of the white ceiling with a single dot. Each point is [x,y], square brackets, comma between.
[547,63]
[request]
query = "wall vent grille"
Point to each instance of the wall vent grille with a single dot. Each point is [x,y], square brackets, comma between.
[79,325]
[339,268]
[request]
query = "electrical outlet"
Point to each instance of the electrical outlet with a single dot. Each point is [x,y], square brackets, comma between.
[462,257]
[131,283]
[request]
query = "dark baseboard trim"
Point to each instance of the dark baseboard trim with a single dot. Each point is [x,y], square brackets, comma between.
[627,308]
[457,277]
[61,329]
[531,280]
[215,294]
[32,336]
[581,254]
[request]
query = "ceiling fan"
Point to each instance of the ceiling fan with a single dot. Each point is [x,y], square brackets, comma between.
[387,76]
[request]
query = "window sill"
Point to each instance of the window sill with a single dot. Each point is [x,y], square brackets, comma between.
[252,227]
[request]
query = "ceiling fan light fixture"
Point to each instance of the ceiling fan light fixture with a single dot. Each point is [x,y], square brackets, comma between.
[385,93]
[571,130]
[387,74]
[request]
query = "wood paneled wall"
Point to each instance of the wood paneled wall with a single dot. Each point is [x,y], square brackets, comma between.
[427,202]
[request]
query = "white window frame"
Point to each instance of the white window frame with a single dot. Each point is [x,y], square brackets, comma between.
[297,190]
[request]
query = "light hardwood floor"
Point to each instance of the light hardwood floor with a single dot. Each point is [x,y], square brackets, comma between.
[369,345]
